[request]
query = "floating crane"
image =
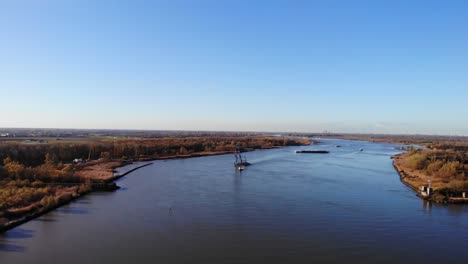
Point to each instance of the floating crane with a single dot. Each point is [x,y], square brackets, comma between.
[241,161]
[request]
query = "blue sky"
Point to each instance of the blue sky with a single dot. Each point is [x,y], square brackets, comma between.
[342,66]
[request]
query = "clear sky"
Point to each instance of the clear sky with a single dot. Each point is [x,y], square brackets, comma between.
[395,66]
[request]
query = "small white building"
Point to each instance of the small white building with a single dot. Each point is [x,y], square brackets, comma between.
[426,191]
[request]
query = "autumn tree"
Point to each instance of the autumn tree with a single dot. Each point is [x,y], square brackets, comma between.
[416,161]
[449,169]
[13,168]
[435,166]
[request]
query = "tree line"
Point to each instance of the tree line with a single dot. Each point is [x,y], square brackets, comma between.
[53,161]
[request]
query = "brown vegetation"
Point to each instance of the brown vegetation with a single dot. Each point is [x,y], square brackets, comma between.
[447,170]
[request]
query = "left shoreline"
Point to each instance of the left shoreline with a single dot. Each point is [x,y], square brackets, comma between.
[26,218]
[111,180]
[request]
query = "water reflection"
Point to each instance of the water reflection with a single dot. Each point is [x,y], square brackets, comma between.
[82,201]
[19,233]
[7,246]
[9,240]
[457,210]
[237,182]
[72,211]
[427,206]
[45,219]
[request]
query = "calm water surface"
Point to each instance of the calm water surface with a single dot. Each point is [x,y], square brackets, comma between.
[286,208]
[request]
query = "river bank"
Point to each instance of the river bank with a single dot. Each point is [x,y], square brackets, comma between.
[441,191]
[23,215]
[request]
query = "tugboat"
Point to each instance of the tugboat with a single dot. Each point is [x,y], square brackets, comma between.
[241,161]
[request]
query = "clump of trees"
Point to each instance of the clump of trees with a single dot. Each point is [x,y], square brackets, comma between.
[416,161]
[17,194]
[448,164]
[46,172]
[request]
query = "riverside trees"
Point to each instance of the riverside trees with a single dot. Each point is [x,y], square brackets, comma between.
[447,168]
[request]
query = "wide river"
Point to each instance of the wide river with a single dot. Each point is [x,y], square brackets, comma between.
[348,206]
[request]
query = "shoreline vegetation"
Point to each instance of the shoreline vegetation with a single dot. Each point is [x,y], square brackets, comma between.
[436,175]
[40,175]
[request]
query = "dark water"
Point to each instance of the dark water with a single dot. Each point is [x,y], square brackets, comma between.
[286,208]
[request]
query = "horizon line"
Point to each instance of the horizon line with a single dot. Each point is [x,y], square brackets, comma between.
[235,131]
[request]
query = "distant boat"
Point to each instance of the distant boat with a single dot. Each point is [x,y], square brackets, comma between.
[313,151]
[241,161]
[361,150]
[338,146]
